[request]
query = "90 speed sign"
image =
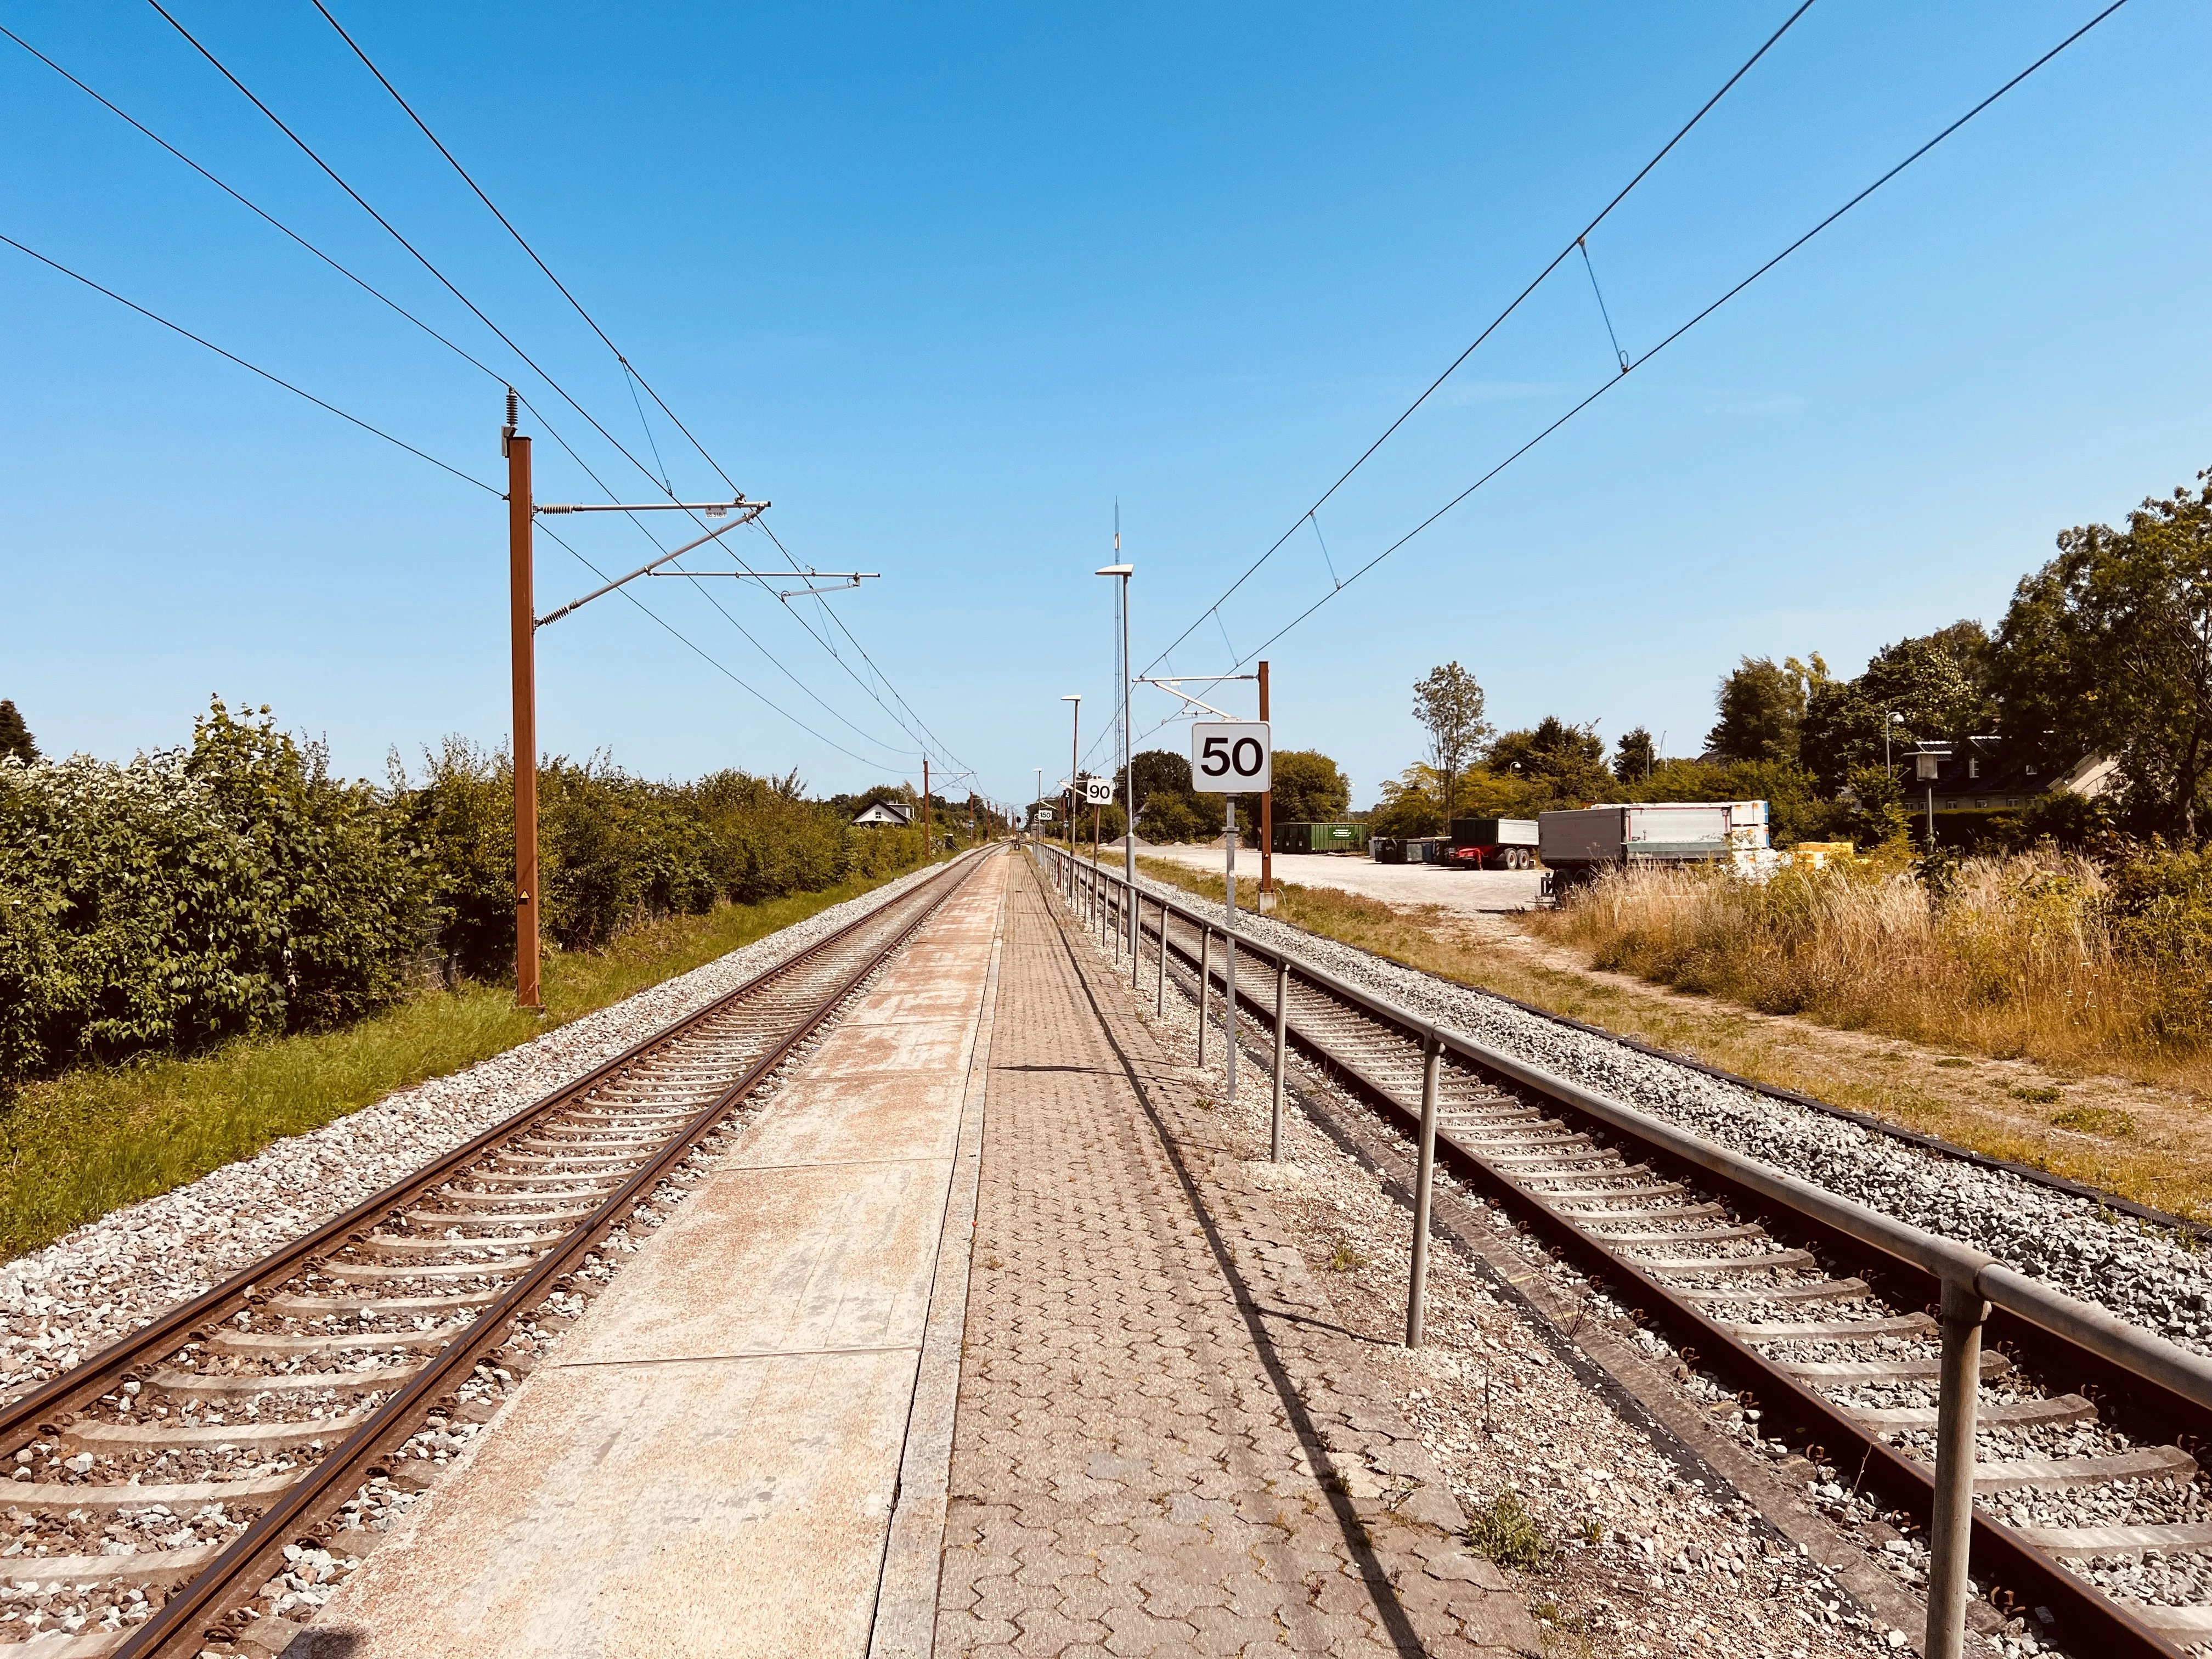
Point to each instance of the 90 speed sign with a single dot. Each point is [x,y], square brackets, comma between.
[1099,792]
[1232,757]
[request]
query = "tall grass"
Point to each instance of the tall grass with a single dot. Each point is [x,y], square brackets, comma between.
[76,1146]
[2026,956]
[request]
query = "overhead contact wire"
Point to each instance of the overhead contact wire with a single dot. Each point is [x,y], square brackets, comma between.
[250,368]
[1497,321]
[1685,327]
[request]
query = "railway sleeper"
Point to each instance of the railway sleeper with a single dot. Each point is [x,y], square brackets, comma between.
[247,1384]
[362,1272]
[442,1223]
[207,1437]
[1841,1372]
[144,1567]
[2052,1410]
[399,1246]
[2104,1469]
[48,1498]
[264,1343]
[2171,1538]
[317,1307]
[1911,1324]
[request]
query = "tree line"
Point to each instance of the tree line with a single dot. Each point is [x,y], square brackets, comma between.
[2105,651]
[234,885]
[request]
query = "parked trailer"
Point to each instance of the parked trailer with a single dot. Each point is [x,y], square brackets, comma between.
[1409,850]
[1576,845]
[1492,844]
[1320,837]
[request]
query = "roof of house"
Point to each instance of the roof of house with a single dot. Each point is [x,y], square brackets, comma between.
[884,811]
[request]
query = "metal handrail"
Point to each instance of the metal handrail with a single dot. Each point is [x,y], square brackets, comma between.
[1972,1279]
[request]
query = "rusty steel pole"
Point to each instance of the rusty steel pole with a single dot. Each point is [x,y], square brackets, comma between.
[523,631]
[1267,818]
[925,809]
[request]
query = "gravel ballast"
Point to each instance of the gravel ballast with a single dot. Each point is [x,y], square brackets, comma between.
[2142,1274]
[60,1305]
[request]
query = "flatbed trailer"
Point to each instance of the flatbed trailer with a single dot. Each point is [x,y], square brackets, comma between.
[1491,844]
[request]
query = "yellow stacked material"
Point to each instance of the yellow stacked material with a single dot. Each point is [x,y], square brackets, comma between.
[1817,854]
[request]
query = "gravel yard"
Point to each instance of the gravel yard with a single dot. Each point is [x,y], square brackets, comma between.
[1465,892]
[2142,1274]
[60,1305]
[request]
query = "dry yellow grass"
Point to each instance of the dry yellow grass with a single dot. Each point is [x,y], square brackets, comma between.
[2018,962]
[2149,1144]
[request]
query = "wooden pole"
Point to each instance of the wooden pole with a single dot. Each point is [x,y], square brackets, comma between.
[1267,818]
[523,631]
[925,809]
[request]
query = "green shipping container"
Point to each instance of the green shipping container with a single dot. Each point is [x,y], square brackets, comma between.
[1320,838]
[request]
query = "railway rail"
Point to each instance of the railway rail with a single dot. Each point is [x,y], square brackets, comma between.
[1839,1326]
[248,1436]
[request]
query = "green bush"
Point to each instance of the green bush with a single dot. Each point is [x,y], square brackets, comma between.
[233,887]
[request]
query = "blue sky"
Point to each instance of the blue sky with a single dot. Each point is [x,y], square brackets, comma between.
[945,284]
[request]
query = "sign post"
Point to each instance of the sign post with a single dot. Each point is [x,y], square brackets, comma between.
[1237,757]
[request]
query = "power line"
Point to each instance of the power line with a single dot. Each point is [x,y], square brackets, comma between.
[1495,323]
[421,259]
[1679,331]
[478,311]
[632,374]
[255,209]
[708,657]
[252,369]
[520,241]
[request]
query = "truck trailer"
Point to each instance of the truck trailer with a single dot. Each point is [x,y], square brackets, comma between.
[1320,837]
[1575,845]
[1491,844]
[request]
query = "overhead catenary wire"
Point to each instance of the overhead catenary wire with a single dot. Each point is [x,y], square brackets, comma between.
[1677,333]
[520,240]
[1492,326]
[707,656]
[453,289]
[250,368]
[631,373]
[421,259]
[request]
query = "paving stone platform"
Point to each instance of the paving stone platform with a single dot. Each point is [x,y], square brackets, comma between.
[1165,1442]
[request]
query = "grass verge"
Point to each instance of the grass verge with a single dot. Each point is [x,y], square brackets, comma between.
[2106,1132]
[101,1137]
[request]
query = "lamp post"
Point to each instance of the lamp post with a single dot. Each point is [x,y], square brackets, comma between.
[1128,777]
[1036,799]
[1074,740]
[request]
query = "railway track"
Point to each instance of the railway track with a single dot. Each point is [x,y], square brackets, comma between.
[2085,1481]
[220,1466]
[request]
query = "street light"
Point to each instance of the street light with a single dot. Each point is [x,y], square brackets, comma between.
[1075,734]
[1128,773]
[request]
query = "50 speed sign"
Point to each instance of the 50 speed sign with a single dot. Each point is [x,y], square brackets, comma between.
[1232,757]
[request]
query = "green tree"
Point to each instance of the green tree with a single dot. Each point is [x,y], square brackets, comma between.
[15,740]
[1308,787]
[1761,704]
[1562,765]
[2108,649]
[1634,755]
[1410,804]
[1449,704]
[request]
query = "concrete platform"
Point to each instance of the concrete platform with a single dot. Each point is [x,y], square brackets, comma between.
[1466,892]
[741,1448]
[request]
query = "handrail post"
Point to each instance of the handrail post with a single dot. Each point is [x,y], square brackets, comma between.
[1950,1531]
[1136,939]
[1160,991]
[1204,985]
[1282,1033]
[1416,1289]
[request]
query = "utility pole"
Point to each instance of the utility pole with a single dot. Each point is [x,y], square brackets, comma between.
[925,809]
[1128,766]
[521,522]
[1266,818]
[1074,740]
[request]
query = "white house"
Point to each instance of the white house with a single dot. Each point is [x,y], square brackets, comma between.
[885,811]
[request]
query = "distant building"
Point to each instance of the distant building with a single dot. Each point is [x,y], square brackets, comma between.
[897,813]
[1968,778]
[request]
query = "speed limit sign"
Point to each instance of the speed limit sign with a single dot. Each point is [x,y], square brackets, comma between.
[1098,792]
[1232,757]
